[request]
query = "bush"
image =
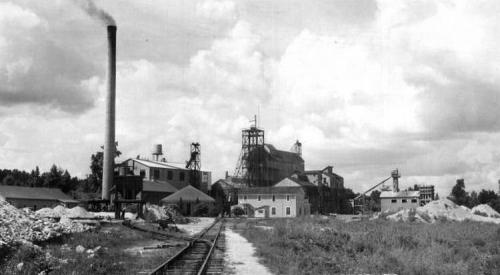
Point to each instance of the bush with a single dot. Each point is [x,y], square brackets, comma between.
[238,211]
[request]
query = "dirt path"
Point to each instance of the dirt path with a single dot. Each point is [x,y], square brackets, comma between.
[240,256]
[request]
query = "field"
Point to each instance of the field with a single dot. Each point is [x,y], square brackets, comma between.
[119,253]
[326,246]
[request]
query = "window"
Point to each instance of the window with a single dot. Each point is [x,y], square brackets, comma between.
[274,198]
[258,198]
[403,201]
[287,197]
[288,211]
[170,175]
[245,198]
[156,174]
[394,201]
[414,200]
[300,211]
[261,211]
[273,211]
[142,173]
[182,176]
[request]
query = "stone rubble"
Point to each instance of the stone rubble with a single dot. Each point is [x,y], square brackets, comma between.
[18,226]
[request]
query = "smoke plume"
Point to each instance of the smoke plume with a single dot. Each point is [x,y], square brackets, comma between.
[90,7]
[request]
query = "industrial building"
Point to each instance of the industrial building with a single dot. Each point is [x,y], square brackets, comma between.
[426,193]
[261,164]
[395,201]
[329,186]
[35,197]
[191,201]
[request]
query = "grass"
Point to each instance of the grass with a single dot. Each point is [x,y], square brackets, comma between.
[327,246]
[60,257]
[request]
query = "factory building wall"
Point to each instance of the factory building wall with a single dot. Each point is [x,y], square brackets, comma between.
[396,204]
[179,178]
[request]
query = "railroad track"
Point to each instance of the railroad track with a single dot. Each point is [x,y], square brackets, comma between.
[202,255]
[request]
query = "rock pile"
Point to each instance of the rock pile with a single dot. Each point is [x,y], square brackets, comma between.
[61,211]
[485,210]
[18,226]
[446,209]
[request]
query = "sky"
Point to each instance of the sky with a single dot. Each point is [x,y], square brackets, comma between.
[366,86]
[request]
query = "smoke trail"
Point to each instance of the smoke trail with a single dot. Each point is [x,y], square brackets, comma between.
[96,12]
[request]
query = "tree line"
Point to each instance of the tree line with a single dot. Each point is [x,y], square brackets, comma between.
[461,197]
[57,177]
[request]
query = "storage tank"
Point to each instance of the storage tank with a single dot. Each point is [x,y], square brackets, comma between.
[157,151]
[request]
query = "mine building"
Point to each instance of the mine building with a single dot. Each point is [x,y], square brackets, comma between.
[35,197]
[329,186]
[160,171]
[225,193]
[426,193]
[191,202]
[261,164]
[395,201]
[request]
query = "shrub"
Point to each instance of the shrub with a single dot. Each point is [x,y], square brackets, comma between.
[238,211]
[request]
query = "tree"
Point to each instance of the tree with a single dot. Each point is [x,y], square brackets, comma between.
[458,192]
[472,200]
[52,179]
[374,203]
[94,180]
[8,180]
[487,196]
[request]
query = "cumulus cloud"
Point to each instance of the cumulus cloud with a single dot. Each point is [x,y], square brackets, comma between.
[37,70]
[367,87]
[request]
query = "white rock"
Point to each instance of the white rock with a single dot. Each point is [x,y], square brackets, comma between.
[20,266]
[80,249]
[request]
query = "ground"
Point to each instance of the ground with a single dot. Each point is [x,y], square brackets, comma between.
[313,245]
[120,250]
[326,245]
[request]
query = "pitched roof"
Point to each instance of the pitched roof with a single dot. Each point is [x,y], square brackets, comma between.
[157,164]
[188,193]
[229,184]
[271,190]
[38,193]
[284,156]
[401,194]
[293,182]
[158,186]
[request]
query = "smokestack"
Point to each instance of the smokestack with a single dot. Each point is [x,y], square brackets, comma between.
[109,136]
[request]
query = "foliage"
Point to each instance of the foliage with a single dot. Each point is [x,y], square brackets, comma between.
[458,192]
[313,246]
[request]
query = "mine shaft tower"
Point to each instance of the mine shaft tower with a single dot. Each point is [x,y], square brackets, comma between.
[194,165]
[251,168]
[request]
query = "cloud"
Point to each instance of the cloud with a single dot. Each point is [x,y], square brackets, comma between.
[366,86]
[216,10]
[37,70]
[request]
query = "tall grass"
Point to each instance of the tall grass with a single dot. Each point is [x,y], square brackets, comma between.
[318,246]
